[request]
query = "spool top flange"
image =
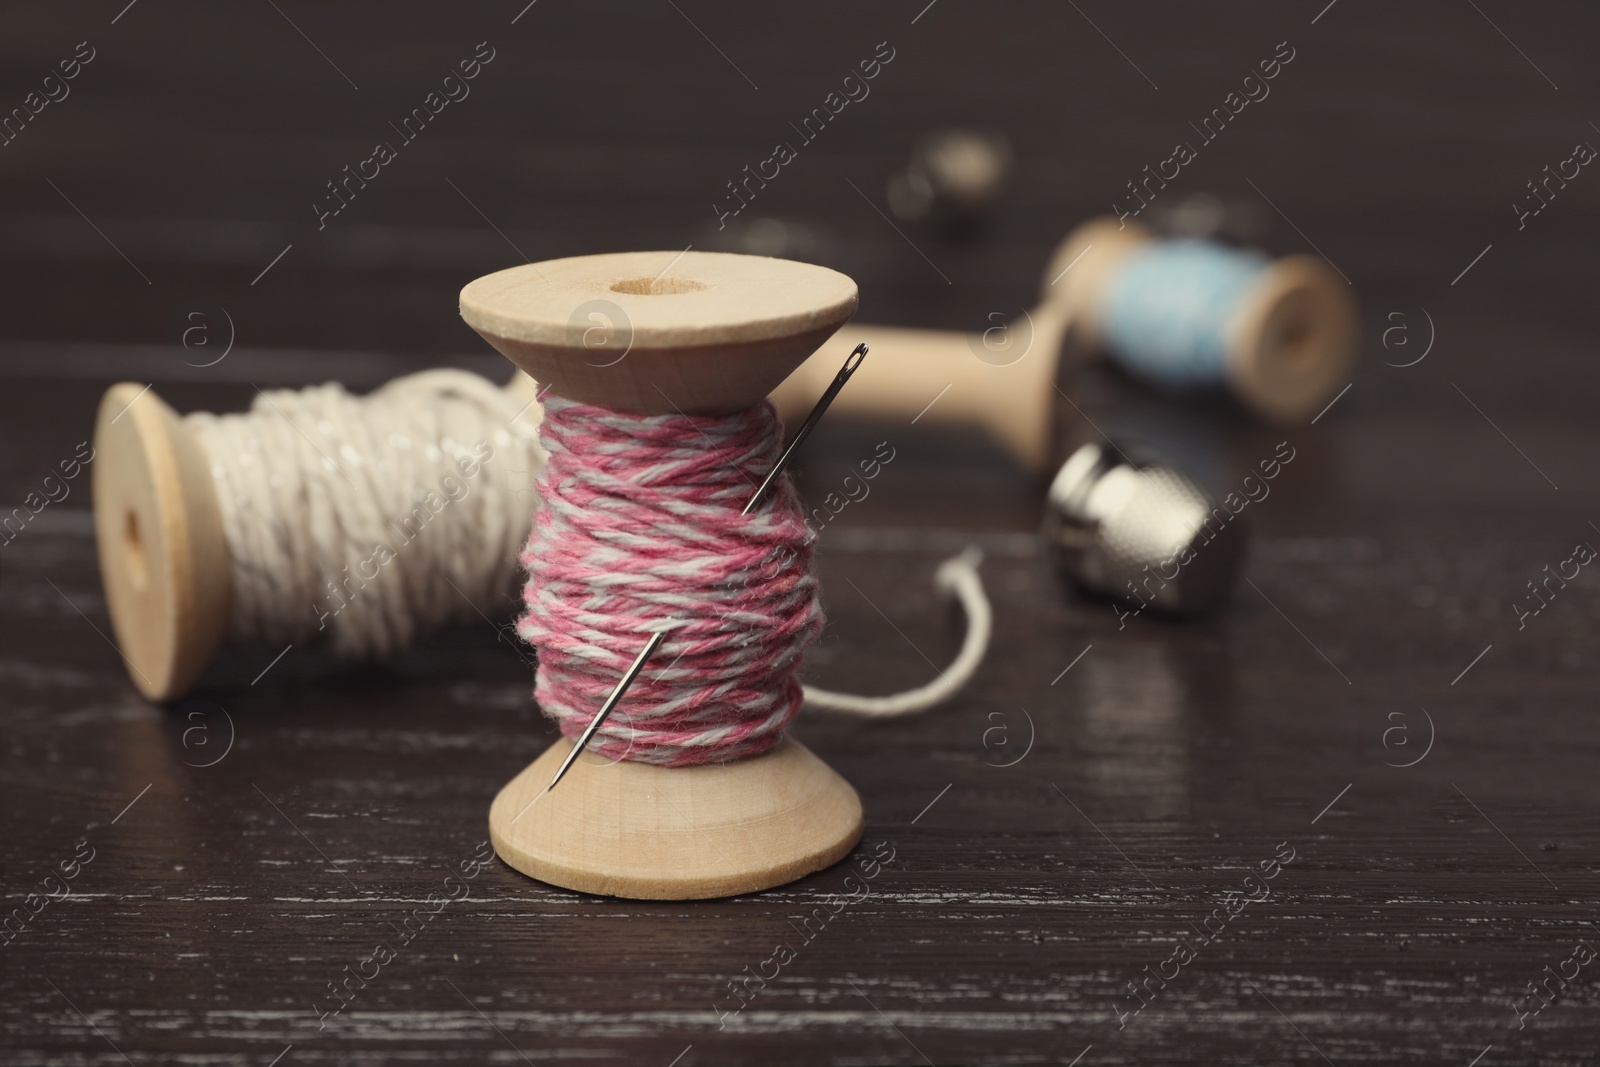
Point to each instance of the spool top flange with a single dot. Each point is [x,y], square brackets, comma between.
[658,332]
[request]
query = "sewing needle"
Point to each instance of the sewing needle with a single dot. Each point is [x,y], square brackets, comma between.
[850,364]
[610,704]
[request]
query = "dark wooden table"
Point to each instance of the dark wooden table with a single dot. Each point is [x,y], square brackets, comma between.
[1099,795]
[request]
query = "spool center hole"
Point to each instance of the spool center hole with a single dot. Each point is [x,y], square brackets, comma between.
[1297,343]
[133,551]
[664,286]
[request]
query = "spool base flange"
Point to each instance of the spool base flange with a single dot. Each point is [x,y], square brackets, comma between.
[646,832]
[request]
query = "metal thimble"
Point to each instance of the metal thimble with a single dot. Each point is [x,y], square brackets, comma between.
[1121,523]
[955,176]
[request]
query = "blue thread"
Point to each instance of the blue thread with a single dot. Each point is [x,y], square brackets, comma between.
[1168,307]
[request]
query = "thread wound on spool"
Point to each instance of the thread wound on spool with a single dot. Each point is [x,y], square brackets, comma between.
[1170,306]
[639,530]
[375,519]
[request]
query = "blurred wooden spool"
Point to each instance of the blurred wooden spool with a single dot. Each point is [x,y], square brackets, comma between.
[657,333]
[1291,343]
[164,557]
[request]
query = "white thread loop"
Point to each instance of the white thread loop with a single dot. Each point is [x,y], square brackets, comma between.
[957,575]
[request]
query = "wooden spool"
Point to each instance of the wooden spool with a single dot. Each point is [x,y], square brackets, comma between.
[938,377]
[657,333]
[1292,344]
[164,558]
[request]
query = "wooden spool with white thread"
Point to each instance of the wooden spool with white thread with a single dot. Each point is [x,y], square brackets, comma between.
[705,333]
[1292,343]
[164,557]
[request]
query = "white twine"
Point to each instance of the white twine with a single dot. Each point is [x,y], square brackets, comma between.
[376,519]
[956,576]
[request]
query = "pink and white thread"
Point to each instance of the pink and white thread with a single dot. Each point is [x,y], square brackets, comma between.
[639,530]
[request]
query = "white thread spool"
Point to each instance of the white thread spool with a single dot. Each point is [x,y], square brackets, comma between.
[183,567]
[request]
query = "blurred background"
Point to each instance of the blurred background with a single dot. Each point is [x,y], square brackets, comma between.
[192,148]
